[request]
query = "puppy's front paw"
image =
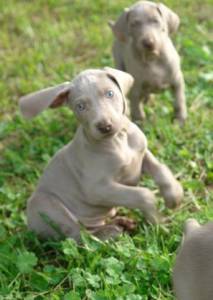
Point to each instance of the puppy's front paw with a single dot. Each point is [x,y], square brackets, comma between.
[149,209]
[126,223]
[180,118]
[172,194]
[107,231]
[153,218]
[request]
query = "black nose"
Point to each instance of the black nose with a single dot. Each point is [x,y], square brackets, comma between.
[104,127]
[148,44]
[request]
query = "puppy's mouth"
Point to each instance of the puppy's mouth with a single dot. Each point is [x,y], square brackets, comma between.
[150,51]
[108,134]
[144,52]
[97,136]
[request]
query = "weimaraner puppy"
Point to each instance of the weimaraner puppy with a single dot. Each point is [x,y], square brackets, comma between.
[143,48]
[193,271]
[100,168]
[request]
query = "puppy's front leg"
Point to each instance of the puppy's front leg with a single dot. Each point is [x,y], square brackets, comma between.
[116,194]
[170,188]
[136,105]
[178,90]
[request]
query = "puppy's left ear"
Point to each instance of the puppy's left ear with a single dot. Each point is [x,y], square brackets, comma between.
[119,28]
[124,80]
[171,18]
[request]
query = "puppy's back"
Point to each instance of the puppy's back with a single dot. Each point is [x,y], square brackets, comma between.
[193,272]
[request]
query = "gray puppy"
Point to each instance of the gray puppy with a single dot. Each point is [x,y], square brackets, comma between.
[100,168]
[193,271]
[143,48]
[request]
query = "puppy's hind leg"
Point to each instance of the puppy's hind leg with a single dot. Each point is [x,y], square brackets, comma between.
[107,231]
[49,217]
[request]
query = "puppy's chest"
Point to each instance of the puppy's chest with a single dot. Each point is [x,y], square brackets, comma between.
[155,76]
[128,162]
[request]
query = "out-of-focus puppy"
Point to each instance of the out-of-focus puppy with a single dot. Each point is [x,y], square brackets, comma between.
[143,48]
[193,271]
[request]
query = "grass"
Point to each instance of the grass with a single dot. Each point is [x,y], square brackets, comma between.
[48,42]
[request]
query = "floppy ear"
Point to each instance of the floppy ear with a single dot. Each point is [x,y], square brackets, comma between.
[170,17]
[119,27]
[124,80]
[34,103]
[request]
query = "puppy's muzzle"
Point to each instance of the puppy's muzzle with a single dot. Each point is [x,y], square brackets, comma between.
[148,44]
[104,127]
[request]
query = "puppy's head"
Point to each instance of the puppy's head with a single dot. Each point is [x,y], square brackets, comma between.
[146,24]
[97,98]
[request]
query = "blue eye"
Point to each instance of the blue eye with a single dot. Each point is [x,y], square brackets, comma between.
[109,94]
[80,107]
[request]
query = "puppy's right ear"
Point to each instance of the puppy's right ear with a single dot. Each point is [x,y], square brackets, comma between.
[171,18]
[119,27]
[34,103]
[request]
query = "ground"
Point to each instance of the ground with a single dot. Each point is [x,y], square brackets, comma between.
[48,42]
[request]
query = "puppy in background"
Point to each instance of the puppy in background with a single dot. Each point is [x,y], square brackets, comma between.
[193,271]
[143,48]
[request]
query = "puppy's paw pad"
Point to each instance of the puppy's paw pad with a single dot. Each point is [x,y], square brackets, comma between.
[126,223]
